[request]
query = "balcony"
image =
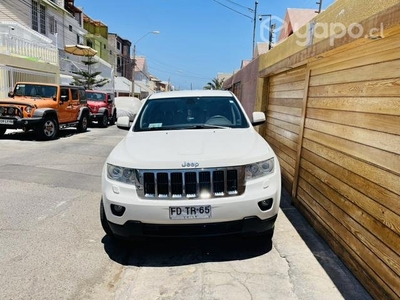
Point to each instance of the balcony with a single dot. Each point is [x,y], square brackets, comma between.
[19,41]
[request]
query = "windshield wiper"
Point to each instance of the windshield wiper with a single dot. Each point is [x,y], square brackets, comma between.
[205,126]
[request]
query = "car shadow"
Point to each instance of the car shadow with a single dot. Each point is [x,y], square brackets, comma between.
[30,135]
[167,252]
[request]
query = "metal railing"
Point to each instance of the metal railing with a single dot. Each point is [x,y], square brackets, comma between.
[14,45]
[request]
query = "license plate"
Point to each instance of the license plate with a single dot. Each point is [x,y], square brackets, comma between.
[6,122]
[189,212]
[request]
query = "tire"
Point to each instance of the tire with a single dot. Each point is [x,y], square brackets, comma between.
[48,129]
[103,220]
[104,120]
[113,118]
[2,131]
[83,123]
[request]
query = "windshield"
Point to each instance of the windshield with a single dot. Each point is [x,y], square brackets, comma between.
[190,113]
[93,96]
[35,90]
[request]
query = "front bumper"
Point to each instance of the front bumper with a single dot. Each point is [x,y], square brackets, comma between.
[250,225]
[19,123]
[96,116]
[229,215]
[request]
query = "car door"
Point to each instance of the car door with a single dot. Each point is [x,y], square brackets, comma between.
[64,109]
[75,104]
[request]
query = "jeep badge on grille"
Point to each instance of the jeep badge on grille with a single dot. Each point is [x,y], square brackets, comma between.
[187,164]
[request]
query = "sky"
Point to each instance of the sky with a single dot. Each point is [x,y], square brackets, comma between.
[198,38]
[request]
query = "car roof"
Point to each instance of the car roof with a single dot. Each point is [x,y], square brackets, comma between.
[191,93]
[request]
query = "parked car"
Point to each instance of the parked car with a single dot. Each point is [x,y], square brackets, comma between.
[102,107]
[44,108]
[191,164]
[127,106]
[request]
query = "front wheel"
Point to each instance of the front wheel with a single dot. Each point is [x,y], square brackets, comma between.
[113,118]
[83,123]
[48,129]
[104,120]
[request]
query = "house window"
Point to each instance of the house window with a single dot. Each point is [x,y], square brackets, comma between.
[35,19]
[79,39]
[118,45]
[89,43]
[42,19]
[53,25]
[38,17]
[70,28]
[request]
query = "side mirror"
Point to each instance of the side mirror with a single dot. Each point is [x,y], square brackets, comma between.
[11,94]
[123,123]
[258,118]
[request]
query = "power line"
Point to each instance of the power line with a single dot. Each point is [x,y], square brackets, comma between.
[242,6]
[233,10]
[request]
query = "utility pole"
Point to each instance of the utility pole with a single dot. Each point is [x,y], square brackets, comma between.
[254,27]
[134,59]
[320,6]
[271,28]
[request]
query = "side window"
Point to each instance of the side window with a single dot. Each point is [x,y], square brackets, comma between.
[65,92]
[82,95]
[110,97]
[75,94]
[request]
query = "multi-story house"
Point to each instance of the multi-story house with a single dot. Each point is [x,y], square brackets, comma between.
[121,61]
[119,55]
[33,34]
[26,43]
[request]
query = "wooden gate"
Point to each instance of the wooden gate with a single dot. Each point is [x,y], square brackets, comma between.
[349,175]
[284,111]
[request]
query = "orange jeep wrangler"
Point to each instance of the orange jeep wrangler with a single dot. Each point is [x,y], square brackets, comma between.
[44,108]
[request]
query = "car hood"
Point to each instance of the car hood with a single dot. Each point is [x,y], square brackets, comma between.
[202,147]
[28,101]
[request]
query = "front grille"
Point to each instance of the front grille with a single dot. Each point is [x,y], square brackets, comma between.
[190,184]
[10,111]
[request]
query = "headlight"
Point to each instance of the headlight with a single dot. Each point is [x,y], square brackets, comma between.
[125,175]
[28,109]
[259,169]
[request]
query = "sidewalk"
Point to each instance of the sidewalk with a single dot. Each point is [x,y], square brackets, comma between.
[315,271]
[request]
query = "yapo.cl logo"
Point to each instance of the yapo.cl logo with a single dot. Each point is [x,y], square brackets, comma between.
[190,164]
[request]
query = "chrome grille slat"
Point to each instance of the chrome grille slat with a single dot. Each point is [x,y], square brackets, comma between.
[190,184]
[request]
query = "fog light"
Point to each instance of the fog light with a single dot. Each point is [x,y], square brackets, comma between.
[265,204]
[117,210]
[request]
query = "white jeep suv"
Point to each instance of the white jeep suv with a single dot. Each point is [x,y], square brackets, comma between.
[191,165]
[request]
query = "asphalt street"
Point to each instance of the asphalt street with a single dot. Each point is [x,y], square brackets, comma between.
[52,245]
